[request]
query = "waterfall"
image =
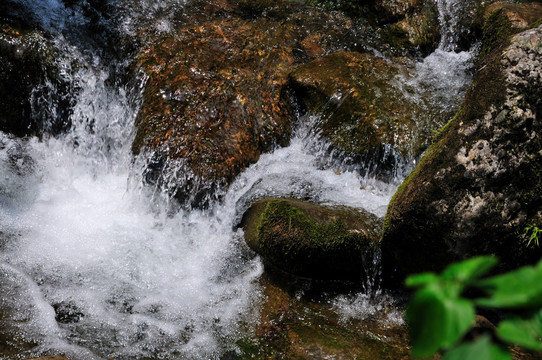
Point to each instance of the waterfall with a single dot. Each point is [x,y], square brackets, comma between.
[93,264]
[449,12]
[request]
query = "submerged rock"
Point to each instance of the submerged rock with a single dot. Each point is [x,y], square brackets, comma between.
[310,240]
[34,97]
[479,187]
[294,326]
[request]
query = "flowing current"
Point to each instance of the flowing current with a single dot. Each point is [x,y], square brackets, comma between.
[93,264]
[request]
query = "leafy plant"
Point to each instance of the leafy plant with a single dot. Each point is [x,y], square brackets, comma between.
[439,315]
[533,238]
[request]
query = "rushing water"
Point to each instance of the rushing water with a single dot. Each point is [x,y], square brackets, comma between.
[95,265]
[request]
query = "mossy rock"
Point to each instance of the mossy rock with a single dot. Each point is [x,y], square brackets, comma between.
[410,24]
[520,16]
[310,240]
[480,185]
[362,110]
[29,75]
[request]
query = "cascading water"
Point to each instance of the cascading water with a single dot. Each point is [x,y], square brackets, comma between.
[95,265]
[442,77]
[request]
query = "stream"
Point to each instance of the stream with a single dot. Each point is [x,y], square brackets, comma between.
[97,265]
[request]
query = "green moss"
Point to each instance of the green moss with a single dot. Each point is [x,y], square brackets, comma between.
[305,236]
[535,24]
[413,231]
[496,33]
[310,240]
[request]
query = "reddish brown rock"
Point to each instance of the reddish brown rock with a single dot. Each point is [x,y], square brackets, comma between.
[215,96]
[520,16]
[297,327]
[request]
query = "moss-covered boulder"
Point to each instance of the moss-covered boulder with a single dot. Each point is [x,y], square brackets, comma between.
[34,97]
[215,97]
[480,185]
[363,111]
[519,15]
[310,240]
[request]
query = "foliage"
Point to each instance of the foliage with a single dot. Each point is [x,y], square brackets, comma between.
[532,239]
[439,314]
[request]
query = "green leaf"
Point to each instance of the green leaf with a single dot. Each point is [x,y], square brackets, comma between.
[419,280]
[468,270]
[525,333]
[437,321]
[481,349]
[519,288]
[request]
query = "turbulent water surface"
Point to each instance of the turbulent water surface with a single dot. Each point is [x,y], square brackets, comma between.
[97,265]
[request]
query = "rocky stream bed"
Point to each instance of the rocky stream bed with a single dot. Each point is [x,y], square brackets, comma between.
[254,179]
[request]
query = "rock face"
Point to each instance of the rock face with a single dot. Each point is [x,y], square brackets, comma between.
[215,97]
[480,185]
[33,96]
[520,15]
[309,240]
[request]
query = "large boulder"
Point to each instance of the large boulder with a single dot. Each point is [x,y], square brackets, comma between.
[519,15]
[215,97]
[310,240]
[34,97]
[479,187]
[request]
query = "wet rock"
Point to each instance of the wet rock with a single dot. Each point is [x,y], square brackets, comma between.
[520,16]
[295,325]
[33,95]
[411,24]
[479,186]
[216,98]
[363,111]
[310,240]
[67,312]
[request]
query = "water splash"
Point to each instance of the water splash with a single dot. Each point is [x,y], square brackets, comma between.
[449,13]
